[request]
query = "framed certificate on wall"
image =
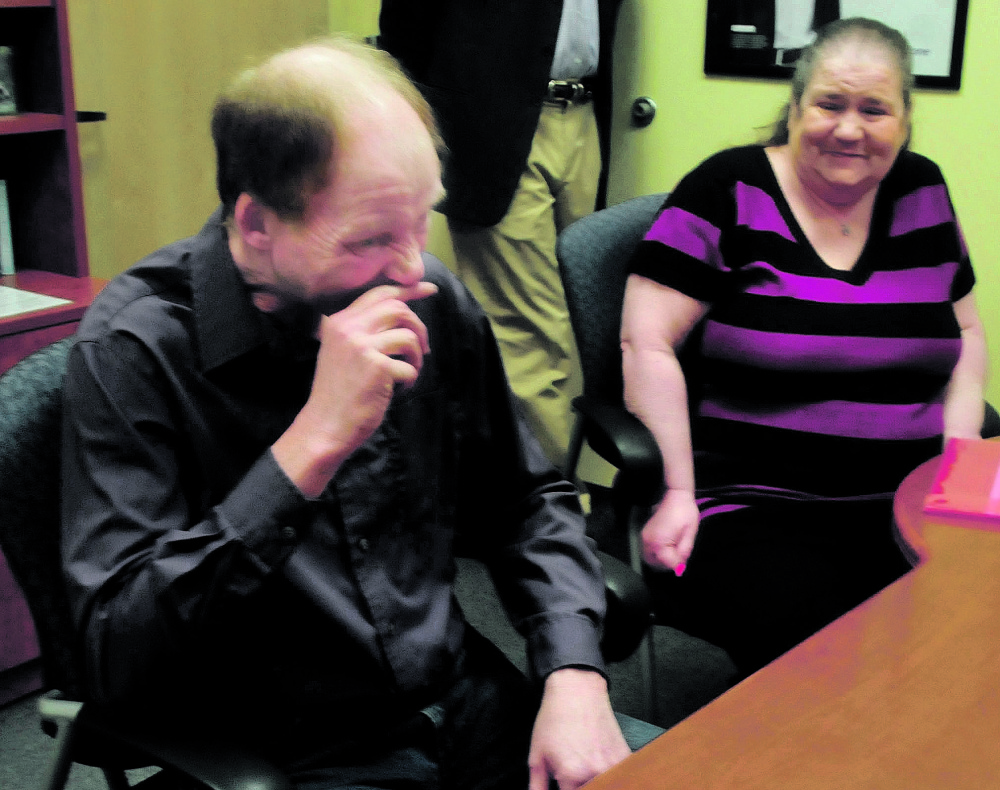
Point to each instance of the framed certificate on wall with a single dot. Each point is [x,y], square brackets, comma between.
[763,38]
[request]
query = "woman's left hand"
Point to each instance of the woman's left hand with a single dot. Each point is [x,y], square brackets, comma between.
[668,537]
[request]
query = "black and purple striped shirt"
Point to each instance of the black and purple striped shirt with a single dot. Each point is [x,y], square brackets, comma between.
[809,378]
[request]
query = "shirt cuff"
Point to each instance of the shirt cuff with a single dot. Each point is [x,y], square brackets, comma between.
[267,511]
[564,640]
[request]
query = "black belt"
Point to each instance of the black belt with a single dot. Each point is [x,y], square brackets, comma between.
[563,92]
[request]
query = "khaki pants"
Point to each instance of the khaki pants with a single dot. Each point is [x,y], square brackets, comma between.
[512,271]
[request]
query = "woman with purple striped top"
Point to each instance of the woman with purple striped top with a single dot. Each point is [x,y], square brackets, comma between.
[821,286]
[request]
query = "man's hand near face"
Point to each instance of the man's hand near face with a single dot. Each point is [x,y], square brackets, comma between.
[365,350]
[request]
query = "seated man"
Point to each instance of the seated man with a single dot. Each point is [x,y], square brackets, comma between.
[278,431]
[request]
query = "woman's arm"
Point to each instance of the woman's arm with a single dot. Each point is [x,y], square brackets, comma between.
[963,405]
[656,320]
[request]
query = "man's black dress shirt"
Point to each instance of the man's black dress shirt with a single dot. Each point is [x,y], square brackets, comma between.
[200,576]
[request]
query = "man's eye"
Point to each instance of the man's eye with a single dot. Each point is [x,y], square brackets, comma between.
[381,240]
[874,111]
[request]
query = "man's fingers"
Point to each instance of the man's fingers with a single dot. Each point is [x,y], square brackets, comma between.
[407,293]
[402,318]
[387,313]
[405,351]
[421,290]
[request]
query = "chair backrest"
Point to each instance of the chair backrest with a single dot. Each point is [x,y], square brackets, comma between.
[593,254]
[30,445]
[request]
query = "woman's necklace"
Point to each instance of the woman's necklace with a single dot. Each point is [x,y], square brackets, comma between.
[815,209]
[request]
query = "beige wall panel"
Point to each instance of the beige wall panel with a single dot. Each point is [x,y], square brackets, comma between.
[156,67]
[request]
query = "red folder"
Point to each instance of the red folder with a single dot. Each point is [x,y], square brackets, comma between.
[967,481]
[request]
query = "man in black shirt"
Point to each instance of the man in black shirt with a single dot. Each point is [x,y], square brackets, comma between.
[276,433]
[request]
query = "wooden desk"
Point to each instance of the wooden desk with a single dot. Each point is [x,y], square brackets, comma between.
[902,692]
[22,334]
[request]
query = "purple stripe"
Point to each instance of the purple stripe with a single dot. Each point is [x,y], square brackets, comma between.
[909,286]
[757,210]
[779,351]
[689,234]
[923,208]
[716,509]
[843,418]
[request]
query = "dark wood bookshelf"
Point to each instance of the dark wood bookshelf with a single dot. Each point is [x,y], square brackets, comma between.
[40,163]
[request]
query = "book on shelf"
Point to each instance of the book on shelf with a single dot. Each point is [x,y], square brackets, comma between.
[6,239]
[8,97]
[967,481]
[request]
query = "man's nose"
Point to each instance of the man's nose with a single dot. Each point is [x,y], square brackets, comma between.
[407,268]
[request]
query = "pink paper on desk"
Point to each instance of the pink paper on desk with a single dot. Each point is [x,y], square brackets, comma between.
[967,481]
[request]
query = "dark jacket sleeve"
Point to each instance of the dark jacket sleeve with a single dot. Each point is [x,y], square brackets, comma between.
[483,67]
[407,31]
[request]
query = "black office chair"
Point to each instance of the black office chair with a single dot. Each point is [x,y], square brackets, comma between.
[30,444]
[30,420]
[991,422]
[593,256]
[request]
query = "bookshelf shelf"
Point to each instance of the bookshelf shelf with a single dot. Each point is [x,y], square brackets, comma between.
[26,3]
[29,122]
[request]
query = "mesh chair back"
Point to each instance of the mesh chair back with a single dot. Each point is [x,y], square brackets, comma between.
[30,444]
[593,254]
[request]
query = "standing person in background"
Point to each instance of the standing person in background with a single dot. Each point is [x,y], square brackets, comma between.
[522,90]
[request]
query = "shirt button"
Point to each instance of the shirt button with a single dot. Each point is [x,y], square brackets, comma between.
[364,546]
[289,534]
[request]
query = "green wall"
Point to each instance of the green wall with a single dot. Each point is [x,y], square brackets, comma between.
[354,16]
[659,52]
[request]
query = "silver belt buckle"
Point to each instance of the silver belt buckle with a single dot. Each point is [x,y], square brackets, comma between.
[578,90]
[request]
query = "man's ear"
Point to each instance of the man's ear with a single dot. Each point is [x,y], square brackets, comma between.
[251,219]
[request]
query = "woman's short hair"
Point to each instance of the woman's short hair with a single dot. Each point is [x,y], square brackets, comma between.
[837,32]
[277,126]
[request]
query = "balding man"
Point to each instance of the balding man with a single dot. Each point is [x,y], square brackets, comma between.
[278,430]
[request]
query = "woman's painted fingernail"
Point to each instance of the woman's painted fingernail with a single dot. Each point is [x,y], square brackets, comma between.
[680,568]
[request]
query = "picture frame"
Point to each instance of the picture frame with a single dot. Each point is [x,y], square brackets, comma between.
[8,96]
[762,38]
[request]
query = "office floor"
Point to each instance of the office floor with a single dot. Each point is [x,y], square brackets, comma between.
[26,752]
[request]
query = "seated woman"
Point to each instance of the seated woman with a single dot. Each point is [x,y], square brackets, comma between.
[837,343]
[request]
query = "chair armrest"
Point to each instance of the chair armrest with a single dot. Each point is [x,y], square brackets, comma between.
[217,764]
[621,439]
[991,422]
[630,609]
